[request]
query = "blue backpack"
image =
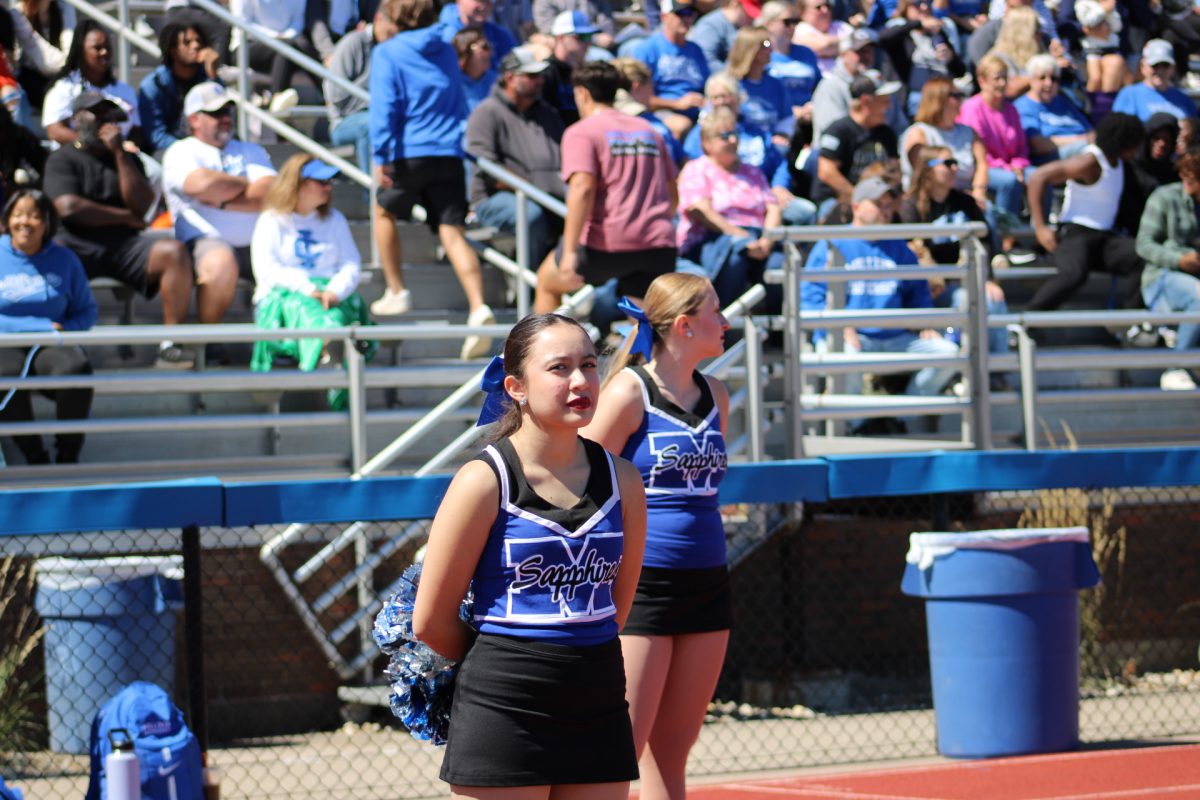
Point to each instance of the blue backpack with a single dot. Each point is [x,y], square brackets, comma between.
[167,751]
[9,792]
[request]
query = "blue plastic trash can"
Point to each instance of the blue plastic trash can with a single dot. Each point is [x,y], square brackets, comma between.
[109,622]
[1003,621]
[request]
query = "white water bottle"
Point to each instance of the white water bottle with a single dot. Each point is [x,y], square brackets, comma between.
[123,773]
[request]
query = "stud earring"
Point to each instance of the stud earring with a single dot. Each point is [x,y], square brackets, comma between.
[522,402]
[688,334]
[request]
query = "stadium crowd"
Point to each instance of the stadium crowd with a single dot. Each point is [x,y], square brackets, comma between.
[675,136]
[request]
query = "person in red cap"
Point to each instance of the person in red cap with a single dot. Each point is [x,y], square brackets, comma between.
[715,31]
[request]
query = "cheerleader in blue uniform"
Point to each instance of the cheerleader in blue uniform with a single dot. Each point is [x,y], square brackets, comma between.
[669,420]
[547,529]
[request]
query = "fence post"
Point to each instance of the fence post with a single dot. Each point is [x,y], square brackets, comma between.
[977,342]
[522,255]
[193,633]
[792,346]
[1027,361]
[754,393]
[356,373]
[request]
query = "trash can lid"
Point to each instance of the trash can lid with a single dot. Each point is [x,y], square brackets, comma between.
[68,574]
[924,548]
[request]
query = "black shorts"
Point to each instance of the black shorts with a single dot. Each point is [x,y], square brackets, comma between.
[528,713]
[438,184]
[634,270]
[127,261]
[676,601]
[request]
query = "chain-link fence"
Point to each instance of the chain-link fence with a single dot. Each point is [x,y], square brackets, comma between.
[828,662]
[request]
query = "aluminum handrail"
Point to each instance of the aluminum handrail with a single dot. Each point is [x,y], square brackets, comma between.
[904,231]
[1080,319]
[546,201]
[842,275]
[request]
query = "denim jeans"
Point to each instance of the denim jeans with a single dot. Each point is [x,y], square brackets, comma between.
[997,337]
[1177,291]
[1010,193]
[500,211]
[356,130]
[800,212]
[926,382]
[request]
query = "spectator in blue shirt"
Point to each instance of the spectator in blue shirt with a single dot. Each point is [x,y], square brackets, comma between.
[42,288]
[1055,128]
[417,115]
[1155,93]
[765,105]
[678,66]
[873,202]
[188,61]
[475,60]
[714,32]
[477,14]
[793,65]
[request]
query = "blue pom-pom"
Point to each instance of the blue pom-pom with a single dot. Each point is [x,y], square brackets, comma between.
[422,681]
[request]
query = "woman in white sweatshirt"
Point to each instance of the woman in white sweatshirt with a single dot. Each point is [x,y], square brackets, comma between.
[306,266]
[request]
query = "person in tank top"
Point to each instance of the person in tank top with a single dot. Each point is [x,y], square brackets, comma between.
[669,420]
[1088,236]
[547,531]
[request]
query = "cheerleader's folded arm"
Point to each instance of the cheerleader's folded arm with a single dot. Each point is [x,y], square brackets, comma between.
[456,541]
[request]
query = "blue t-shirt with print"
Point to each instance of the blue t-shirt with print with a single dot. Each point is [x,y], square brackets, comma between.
[1143,102]
[798,71]
[675,69]
[881,293]
[766,104]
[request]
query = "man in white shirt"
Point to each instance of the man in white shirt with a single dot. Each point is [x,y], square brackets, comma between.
[214,186]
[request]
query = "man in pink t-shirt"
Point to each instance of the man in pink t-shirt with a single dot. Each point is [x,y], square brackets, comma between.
[620,197]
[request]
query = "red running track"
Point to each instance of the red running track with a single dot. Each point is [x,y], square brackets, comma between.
[1167,772]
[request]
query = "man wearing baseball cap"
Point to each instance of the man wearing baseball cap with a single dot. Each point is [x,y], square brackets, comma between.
[572,32]
[1156,92]
[862,137]
[873,202]
[677,66]
[831,99]
[214,185]
[518,130]
[715,31]
[100,191]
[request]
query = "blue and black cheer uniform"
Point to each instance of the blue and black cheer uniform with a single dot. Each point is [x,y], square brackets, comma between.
[684,586]
[540,696]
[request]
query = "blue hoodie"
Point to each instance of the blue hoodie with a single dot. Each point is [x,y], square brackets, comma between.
[418,108]
[873,294]
[37,291]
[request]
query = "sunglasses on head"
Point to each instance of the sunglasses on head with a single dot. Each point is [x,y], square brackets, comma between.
[949,163]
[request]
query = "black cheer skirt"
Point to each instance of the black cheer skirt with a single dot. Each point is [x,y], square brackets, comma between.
[669,602]
[531,713]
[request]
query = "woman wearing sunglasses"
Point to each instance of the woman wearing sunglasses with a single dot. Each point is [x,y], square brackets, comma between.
[936,125]
[933,198]
[794,65]
[306,268]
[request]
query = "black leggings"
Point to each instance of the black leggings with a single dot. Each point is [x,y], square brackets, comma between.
[70,403]
[1081,250]
[264,59]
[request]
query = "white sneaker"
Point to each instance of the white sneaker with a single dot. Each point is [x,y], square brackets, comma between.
[476,346]
[1176,380]
[999,262]
[284,101]
[392,304]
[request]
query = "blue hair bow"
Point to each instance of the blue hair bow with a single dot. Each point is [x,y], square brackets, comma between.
[643,340]
[496,400]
